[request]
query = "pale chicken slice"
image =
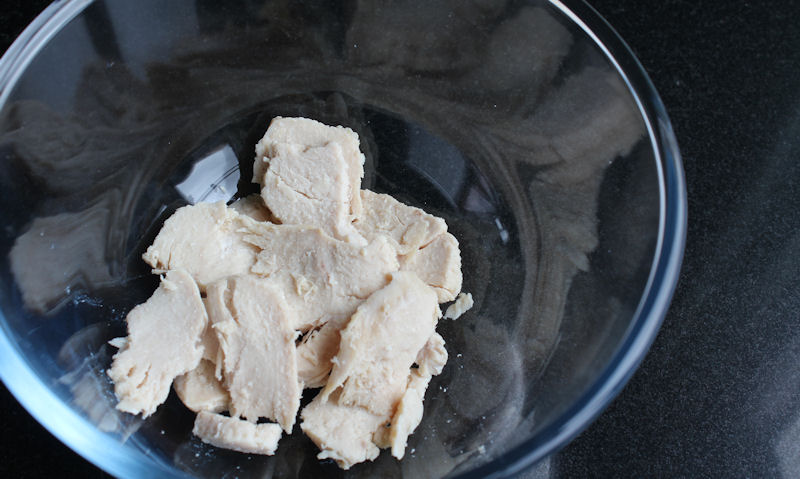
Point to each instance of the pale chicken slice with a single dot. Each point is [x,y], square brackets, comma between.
[322,278]
[342,433]
[315,353]
[211,350]
[309,186]
[408,228]
[254,328]
[439,265]
[252,206]
[310,133]
[236,434]
[408,414]
[203,240]
[200,390]
[462,304]
[163,342]
[209,340]
[381,342]
[432,357]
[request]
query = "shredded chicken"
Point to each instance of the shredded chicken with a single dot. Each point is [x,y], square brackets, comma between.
[310,133]
[357,275]
[236,434]
[343,433]
[408,414]
[163,342]
[462,304]
[406,227]
[200,390]
[381,342]
[439,265]
[315,353]
[203,240]
[321,278]
[253,326]
[254,207]
[309,186]
[370,376]
[432,357]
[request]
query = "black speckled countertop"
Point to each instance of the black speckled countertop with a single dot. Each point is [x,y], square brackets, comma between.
[719,393]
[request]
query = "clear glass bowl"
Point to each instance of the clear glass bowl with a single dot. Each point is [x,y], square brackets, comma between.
[529,126]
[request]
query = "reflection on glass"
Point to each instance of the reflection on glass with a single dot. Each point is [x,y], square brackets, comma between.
[213,178]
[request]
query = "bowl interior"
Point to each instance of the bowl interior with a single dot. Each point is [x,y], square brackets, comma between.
[506,119]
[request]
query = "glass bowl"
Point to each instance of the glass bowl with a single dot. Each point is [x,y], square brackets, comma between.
[529,126]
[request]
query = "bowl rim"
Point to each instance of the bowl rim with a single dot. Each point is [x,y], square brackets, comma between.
[85,439]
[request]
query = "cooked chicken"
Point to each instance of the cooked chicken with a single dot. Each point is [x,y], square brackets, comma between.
[252,206]
[408,414]
[432,357]
[321,278]
[200,390]
[315,353]
[439,265]
[163,342]
[407,228]
[236,434]
[309,186]
[255,333]
[371,383]
[309,134]
[430,361]
[462,304]
[343,433]
[203,240]
[211,350]
[381,342]
[358,274]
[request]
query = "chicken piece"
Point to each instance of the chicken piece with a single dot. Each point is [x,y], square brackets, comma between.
[314,354]
[407,228]
[350,434]
[211,351]
[200,390]
[430,360]
[252,206]
[439,265]
[381,342]
[309,186]
[370,373]
[463,304]
[343,433]
[203,240]
[255,333]
[163,342]
[432,357]
[322,278]
[310,133]
[236,434]
[408,413]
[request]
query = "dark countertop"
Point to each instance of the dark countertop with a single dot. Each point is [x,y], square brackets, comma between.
[719,393]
